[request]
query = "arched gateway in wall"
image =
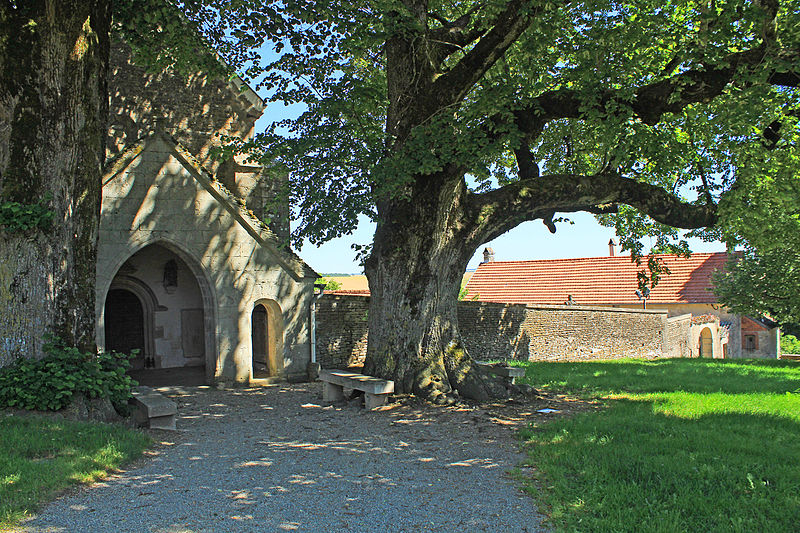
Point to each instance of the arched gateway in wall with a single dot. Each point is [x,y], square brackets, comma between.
[706,343]
[159,303]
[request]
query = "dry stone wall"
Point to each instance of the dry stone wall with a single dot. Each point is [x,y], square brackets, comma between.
[500,331]
[678,340]
[559,333]
[341,330]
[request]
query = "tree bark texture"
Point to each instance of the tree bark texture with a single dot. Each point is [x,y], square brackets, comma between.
[53,107]
[418,259]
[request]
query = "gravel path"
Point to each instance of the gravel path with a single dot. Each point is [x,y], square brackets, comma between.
[275,458]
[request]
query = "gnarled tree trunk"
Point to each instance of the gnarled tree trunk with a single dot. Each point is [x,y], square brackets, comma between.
[53,107]
[415,269]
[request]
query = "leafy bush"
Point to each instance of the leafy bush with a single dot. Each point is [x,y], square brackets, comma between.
[48,384]
[331,284]
[790,344]
[15,216]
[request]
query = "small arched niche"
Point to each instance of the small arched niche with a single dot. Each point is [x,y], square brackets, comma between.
[706,343]
[266,328]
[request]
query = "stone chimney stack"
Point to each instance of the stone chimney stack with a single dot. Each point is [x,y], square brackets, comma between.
[611,248]
[488,255]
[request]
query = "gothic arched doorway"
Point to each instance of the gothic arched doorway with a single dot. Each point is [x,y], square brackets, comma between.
[155,303]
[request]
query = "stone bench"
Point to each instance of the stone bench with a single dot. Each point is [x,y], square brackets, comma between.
[376,390]
[511,373]
[153,409]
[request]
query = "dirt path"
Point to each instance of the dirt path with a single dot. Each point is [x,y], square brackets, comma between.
[276,458]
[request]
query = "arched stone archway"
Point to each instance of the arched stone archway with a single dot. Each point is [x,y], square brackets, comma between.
[176,305]
[129,320]
[267,331]
[706,343]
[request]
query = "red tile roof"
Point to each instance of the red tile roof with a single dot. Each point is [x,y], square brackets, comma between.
[594,280]
[349,292]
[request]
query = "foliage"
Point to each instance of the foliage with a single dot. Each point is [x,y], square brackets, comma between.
[762,283]
[790,344]
[40,457]
[15,216]
[344,156]
[331,284]
[682,445]
[760,214]
[216,37]
[48,384]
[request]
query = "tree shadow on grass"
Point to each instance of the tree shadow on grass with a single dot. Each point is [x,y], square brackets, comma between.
[690,375]
[633,468]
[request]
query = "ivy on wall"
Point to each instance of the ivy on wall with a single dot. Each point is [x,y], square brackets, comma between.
[15,216]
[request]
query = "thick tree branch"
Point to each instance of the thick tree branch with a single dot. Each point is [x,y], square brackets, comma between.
[502,209]
[650,102]
[452,36]
[452,86]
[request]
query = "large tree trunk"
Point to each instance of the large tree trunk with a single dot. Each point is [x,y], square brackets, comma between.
[53,107]
[414,270]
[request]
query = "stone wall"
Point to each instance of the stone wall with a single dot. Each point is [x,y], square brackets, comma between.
[194,110]
[499,331]
[341,330]
[198,111]
[677,341]
[559,333]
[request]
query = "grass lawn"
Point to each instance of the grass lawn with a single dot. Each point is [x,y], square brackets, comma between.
[40,456]
[683,445]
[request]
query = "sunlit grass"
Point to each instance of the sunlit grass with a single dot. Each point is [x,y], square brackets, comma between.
[683,445]
[40,457]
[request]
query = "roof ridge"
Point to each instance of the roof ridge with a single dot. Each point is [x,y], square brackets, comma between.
[263,233]
[603,257]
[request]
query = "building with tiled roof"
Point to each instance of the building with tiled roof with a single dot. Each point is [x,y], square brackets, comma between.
[596,281]
[612,282]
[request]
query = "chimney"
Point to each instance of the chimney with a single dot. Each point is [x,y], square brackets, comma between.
[488,255]
[611,251]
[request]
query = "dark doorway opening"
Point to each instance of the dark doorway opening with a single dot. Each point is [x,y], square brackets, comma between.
[260,332]
[124,326]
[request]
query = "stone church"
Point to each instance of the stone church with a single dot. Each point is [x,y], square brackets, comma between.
[188,271]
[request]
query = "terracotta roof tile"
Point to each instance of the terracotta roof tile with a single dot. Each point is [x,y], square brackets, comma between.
[594,280]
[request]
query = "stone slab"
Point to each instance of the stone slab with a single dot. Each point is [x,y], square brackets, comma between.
[351,380]
[154,409]
[162,422]
[510,372]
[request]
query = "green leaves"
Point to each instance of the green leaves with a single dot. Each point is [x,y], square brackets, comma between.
[49,383]
[15,216]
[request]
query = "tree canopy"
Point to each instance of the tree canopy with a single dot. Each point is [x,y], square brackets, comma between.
[607,96]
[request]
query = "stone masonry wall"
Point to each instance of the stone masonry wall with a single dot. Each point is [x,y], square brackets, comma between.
[341,330]
[559,333]
[677,338]
[499,331]
[198,112]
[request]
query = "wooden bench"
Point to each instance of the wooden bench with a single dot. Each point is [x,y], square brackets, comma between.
[376,390]
[153,409]
[511,373]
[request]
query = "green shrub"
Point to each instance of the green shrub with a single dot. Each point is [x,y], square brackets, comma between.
[790,344]
[48,384]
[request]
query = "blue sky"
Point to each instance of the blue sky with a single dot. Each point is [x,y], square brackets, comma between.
[530,240]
